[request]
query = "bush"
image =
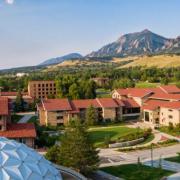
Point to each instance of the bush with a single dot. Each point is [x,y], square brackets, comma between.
[170,127]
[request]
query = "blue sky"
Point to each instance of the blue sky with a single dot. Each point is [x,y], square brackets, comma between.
[32,31]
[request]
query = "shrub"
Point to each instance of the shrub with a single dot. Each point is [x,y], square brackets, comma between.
[170,127]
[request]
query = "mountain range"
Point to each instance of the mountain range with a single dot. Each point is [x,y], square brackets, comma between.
[58,60]
[139,43]
[132,44]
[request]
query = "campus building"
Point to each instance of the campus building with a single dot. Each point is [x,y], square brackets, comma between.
[159,106]
[59,111]
[24,132]
[41,89]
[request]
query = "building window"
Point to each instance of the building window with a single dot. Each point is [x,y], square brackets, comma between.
[146,116]
[170,110]
[59,117]
[170,116]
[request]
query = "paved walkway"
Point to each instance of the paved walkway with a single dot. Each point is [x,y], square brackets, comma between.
[111,157]
[167,165]
[26,117]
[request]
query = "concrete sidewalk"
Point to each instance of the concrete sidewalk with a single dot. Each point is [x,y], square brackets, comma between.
[26,117]
[167,165]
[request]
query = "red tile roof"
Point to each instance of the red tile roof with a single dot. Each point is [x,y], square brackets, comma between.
[172,105]
[26,130]
[85,103]
[56,104]
[135,92]
[170,89]
[165,96]
[4,106]
[130,103]
[107,103]
[153,104]
[12,93]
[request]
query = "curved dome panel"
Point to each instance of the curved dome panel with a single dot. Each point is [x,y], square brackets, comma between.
[17,161]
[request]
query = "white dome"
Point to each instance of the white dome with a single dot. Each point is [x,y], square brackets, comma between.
[19,162]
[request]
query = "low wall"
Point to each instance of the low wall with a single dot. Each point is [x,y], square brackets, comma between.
[127,143]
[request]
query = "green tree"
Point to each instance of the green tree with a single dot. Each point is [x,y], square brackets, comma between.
[52,154]
[76,150]
[19,103]
[91,116]
[123,83]
[165,81]
[90,90]
[74,91]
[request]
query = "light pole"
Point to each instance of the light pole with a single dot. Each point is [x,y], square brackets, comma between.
[152,155]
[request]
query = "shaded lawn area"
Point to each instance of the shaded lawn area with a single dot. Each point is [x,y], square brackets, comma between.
[137,172]
[174,159]
[33,120]
[174,132]
[98,135]
[15,118]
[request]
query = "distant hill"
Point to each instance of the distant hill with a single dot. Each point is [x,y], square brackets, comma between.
[58,60]
[139,43]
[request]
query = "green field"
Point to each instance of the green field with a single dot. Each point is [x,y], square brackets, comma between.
[98,135]
[174,132]
[146,85]
[137,172]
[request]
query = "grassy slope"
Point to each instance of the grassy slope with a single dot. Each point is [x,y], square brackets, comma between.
[98,135]
[160,61]
[137,172]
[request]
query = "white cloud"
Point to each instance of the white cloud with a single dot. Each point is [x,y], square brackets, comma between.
[9,1]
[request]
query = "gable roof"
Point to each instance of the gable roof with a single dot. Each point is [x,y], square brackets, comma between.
[107,103]
[165,96]
[85,103]
[172,105]
[4,106]
[56,104]
[153,104]
[170,89]
[135,92]
[24,130]
[130,103]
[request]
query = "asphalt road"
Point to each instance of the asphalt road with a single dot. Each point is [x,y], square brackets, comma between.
[111,157]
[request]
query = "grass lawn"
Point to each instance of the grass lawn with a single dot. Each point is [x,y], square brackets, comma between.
[174,159]
[149,139]
[15,118]
[137,172]
[33,119]
[146,85]
[98,135]
[174,132]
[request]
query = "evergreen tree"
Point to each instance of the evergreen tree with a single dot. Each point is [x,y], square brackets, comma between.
[90,90]
[76,150]
[91,116]
[19,103]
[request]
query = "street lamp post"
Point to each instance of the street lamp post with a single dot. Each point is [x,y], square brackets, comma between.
[152,155]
